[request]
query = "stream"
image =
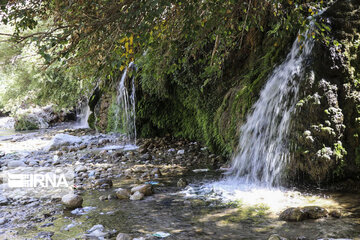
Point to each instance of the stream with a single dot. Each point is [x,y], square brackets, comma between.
[188,209]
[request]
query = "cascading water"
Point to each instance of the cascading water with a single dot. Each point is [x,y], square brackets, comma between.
[84,115]
[263,147]
[125,117]
[257,168]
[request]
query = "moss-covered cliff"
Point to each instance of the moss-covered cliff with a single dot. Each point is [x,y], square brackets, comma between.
[326,125]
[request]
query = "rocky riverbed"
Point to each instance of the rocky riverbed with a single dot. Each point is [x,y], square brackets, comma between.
[142,192]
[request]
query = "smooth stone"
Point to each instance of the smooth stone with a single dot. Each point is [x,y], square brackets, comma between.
[122,193]
[16,163]
[103,198]
[137,196]
[181,152]
[72,201]
[80,168]
[145,189]
[123,236]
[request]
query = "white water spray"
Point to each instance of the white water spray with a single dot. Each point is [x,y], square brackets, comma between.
[263,146]
[84,115]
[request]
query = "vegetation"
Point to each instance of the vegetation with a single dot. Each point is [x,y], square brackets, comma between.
[201,65]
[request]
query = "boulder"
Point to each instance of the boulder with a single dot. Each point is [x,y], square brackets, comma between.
[72,201]
[300,214]
[61,140]
[122,193]
[314,212]
[292,215]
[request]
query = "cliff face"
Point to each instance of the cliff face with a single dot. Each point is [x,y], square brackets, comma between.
[325,134]
[325,128]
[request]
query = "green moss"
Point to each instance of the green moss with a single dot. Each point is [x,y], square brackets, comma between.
[340,153]
[256,214]
[23,123]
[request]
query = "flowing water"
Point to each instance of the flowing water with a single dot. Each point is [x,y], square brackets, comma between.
[84,114]
[125,118]
[263,146]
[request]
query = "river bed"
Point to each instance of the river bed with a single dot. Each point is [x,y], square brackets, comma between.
[202,208]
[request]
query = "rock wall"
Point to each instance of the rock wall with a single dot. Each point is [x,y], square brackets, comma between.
[325,134]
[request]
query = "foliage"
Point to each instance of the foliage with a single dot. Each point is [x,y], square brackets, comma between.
[189,53]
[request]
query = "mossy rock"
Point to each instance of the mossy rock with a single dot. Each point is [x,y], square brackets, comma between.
[26,122]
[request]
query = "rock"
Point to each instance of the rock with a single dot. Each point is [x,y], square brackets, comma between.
[123,236]
[98,232]
[3,201]
[61,140]
[292,214]
[137,196]
[16,163]
[142,150]
[335,213]
[182,183]
[82,146]
[80,168]
[145,189]
[104,183]
[72,201]
[112,196]
[299,214]
[27,121]
[314,212]
[276,237]
[181,152]
[156,172]
[3,221]
[122,193]
[145,157]
[103,198]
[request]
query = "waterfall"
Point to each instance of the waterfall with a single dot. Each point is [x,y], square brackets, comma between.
[83,116]
[263,146]
[125,118]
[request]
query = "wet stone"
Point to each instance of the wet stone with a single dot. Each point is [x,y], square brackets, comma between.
[314,212]
[292,215]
